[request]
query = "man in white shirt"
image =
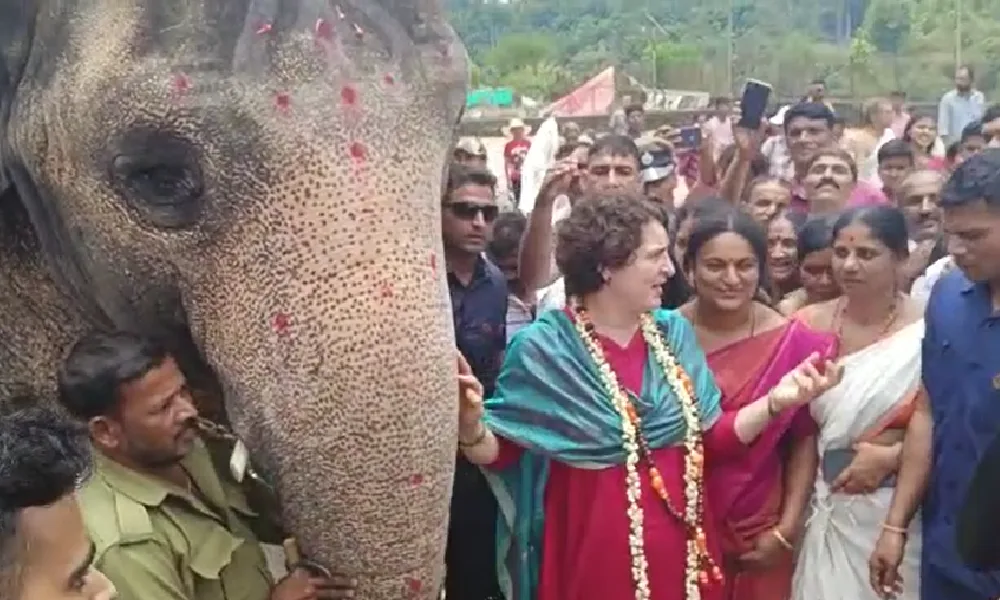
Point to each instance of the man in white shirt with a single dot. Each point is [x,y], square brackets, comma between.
[960,106]
[720,126]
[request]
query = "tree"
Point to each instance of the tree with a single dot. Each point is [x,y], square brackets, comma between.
[862,47]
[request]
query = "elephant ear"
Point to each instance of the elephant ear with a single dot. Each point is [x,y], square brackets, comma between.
[979,520]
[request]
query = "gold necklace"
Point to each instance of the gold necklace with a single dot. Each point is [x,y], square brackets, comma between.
[701,568]
[886,326]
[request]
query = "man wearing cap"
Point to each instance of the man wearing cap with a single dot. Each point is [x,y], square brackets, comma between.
[659,176]
[514,152]
[470,152]
[571,132]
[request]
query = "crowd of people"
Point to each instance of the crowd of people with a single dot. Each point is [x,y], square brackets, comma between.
[758,368]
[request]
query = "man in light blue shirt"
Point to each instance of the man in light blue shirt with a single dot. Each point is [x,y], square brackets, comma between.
[960,106]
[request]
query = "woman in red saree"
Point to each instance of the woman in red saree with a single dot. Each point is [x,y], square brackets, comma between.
[759,498]
[604,423]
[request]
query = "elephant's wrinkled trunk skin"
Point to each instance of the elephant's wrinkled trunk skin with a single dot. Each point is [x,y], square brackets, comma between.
[341,382]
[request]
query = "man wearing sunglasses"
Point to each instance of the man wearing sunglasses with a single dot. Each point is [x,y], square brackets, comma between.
[479,307]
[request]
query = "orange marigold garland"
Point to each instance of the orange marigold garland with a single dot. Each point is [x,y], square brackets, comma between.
[701,568]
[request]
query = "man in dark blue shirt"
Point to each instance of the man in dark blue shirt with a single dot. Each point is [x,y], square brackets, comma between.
[961,375]
[479,305]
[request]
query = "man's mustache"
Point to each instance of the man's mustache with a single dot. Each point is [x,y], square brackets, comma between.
[827,181]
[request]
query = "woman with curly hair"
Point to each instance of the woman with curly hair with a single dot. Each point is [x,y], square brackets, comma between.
[605,420]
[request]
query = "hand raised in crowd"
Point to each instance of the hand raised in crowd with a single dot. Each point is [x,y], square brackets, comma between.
[883,566]
[804,383]
[301,585]
[747,141]
[561,178]
[470,399]
[868,469]
[918,261]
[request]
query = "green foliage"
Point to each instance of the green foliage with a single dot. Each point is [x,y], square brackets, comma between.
[862,47]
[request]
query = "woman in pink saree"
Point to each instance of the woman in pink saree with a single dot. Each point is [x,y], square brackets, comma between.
[760,498]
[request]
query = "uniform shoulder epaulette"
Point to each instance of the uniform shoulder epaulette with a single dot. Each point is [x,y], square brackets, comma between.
[112,518]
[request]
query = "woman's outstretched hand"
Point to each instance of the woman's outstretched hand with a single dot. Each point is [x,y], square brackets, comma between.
[470,399]
[804,383]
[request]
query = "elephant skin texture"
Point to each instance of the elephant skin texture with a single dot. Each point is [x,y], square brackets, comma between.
[258,182]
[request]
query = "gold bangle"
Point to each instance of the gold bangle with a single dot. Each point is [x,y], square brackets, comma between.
[478,439]
[782,539]
[894,529]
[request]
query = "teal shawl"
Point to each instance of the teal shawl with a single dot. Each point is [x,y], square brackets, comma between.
[551,402]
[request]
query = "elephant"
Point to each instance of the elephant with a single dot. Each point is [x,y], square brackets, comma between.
[256,182]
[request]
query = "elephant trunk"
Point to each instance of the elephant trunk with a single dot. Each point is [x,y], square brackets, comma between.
[335,350]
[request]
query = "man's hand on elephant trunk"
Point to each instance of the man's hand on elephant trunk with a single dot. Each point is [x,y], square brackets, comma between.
[301,585]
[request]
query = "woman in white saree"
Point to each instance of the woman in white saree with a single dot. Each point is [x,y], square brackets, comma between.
[861,420]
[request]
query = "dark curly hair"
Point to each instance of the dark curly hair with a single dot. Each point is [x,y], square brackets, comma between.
[43,458]
[602,232]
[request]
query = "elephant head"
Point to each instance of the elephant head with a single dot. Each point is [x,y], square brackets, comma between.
[260,181]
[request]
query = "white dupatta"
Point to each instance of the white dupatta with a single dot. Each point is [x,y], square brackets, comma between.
[842,530]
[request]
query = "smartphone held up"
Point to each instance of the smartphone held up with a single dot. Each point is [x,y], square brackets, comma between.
[753,104]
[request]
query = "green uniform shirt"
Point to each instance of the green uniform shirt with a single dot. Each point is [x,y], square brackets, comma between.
[156,541]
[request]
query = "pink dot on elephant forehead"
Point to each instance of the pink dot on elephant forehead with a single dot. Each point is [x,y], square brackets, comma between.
[263,27]
[282,101]
[181,83]
[358,151]
[280,323]
[349,95]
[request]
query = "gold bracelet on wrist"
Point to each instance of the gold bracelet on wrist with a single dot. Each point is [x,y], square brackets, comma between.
[782,539]
[480,436]
[894,529]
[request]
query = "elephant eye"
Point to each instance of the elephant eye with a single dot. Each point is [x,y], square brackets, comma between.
[159,179]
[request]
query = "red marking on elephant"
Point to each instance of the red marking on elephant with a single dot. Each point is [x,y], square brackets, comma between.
[358,31]
[282,101]
[280,323]
[349,95]
[434,263]
[358,152]
[386,290]
[323,29]
[389,79]
[415,479]
[181,84]
[263,28]
[413,586]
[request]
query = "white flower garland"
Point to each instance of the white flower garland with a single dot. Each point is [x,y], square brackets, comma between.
[699,561]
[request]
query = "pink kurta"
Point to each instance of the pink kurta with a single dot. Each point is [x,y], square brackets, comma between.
[585,552]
